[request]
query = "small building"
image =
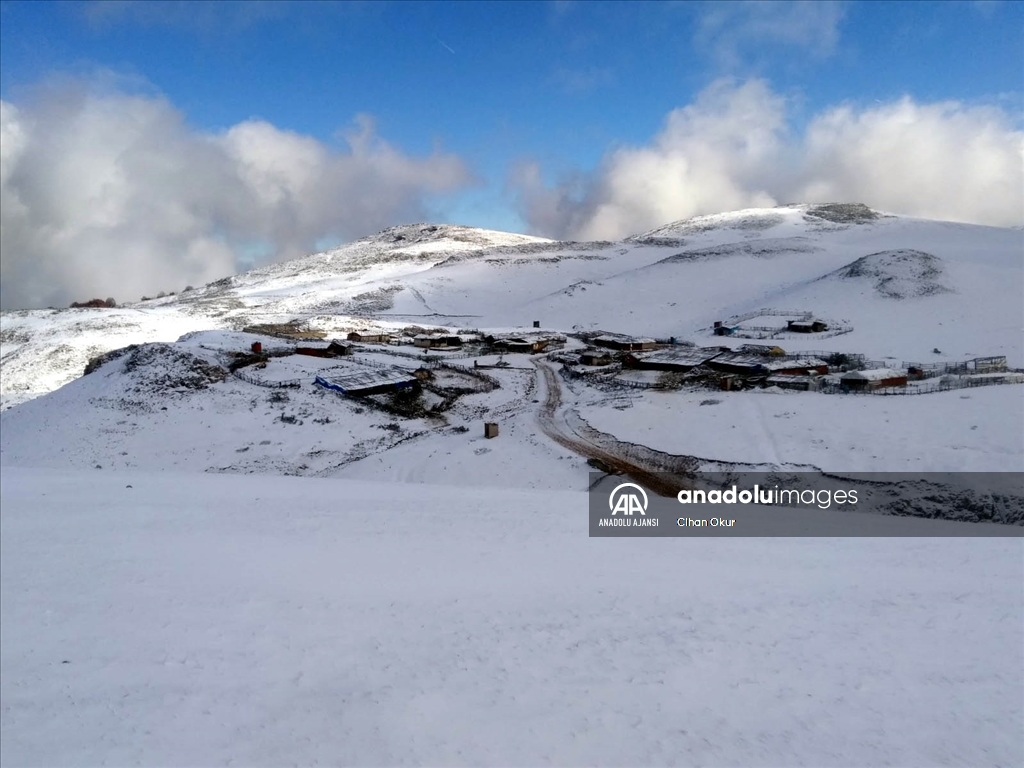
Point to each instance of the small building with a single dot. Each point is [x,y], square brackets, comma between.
[424,341]
[340,348]
[875,378]
[371,381]
[369,337]
[490,429]
[436,341]
[798,367]
[314,351]
[806,325]
[797,383]
[334,349]
[738,363]
[675,359]
[257,347]
[624,343]
[595,358]
[517,345]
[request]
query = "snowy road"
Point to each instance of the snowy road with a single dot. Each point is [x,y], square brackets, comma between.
[553,425]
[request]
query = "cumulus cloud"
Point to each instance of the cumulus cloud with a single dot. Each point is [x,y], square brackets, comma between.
[734,147]
[113,194]
[944,161]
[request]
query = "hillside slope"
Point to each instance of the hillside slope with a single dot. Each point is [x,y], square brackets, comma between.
[959,293]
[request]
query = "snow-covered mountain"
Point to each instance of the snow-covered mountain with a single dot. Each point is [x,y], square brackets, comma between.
[906,287]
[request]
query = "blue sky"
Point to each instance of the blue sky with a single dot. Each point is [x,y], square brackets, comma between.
[558,86]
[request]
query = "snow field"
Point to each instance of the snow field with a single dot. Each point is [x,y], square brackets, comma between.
[211,619]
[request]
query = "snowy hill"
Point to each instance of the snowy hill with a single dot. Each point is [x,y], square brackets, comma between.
[848,263]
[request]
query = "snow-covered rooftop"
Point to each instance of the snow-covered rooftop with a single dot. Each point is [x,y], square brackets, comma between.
[874,374]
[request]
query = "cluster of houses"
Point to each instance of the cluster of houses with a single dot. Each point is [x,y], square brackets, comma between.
[528,343]
[734,368]
[749,365]
[372,381]
[752,365]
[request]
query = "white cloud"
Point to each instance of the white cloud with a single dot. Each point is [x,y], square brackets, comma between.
[943,160]
[110,194]
[733,148]
[733,32]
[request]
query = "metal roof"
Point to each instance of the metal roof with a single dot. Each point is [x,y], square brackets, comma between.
[357,380]
[685,356]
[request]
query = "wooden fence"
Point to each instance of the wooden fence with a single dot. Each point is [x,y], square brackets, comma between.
[948,386]
[607,378]
[250,379]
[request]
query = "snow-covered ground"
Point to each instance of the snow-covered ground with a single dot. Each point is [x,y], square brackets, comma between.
[149,417]
[43,350]
[967,430]
[188,619]
[174,593]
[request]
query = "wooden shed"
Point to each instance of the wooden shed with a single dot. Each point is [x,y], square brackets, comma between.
[624,343]
[807,325]
[876,378]
[371,337]
[490,429]
[796,367]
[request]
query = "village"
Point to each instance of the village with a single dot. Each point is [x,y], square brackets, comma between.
[417,371]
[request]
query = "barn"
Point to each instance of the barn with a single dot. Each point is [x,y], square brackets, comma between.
[676,359]
[807,325]
[521,345]
[624,343]
[373,381]
[436,341]
[798,367]
[369,337]
[340,348]
[739,363]
[797,383]
[875,378]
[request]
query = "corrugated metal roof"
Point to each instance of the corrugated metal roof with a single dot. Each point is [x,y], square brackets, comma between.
[357,380]
[685,356]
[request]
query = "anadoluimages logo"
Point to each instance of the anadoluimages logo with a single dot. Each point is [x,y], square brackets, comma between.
[625,502]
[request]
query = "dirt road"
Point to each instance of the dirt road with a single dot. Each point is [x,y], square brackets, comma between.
[607,460]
